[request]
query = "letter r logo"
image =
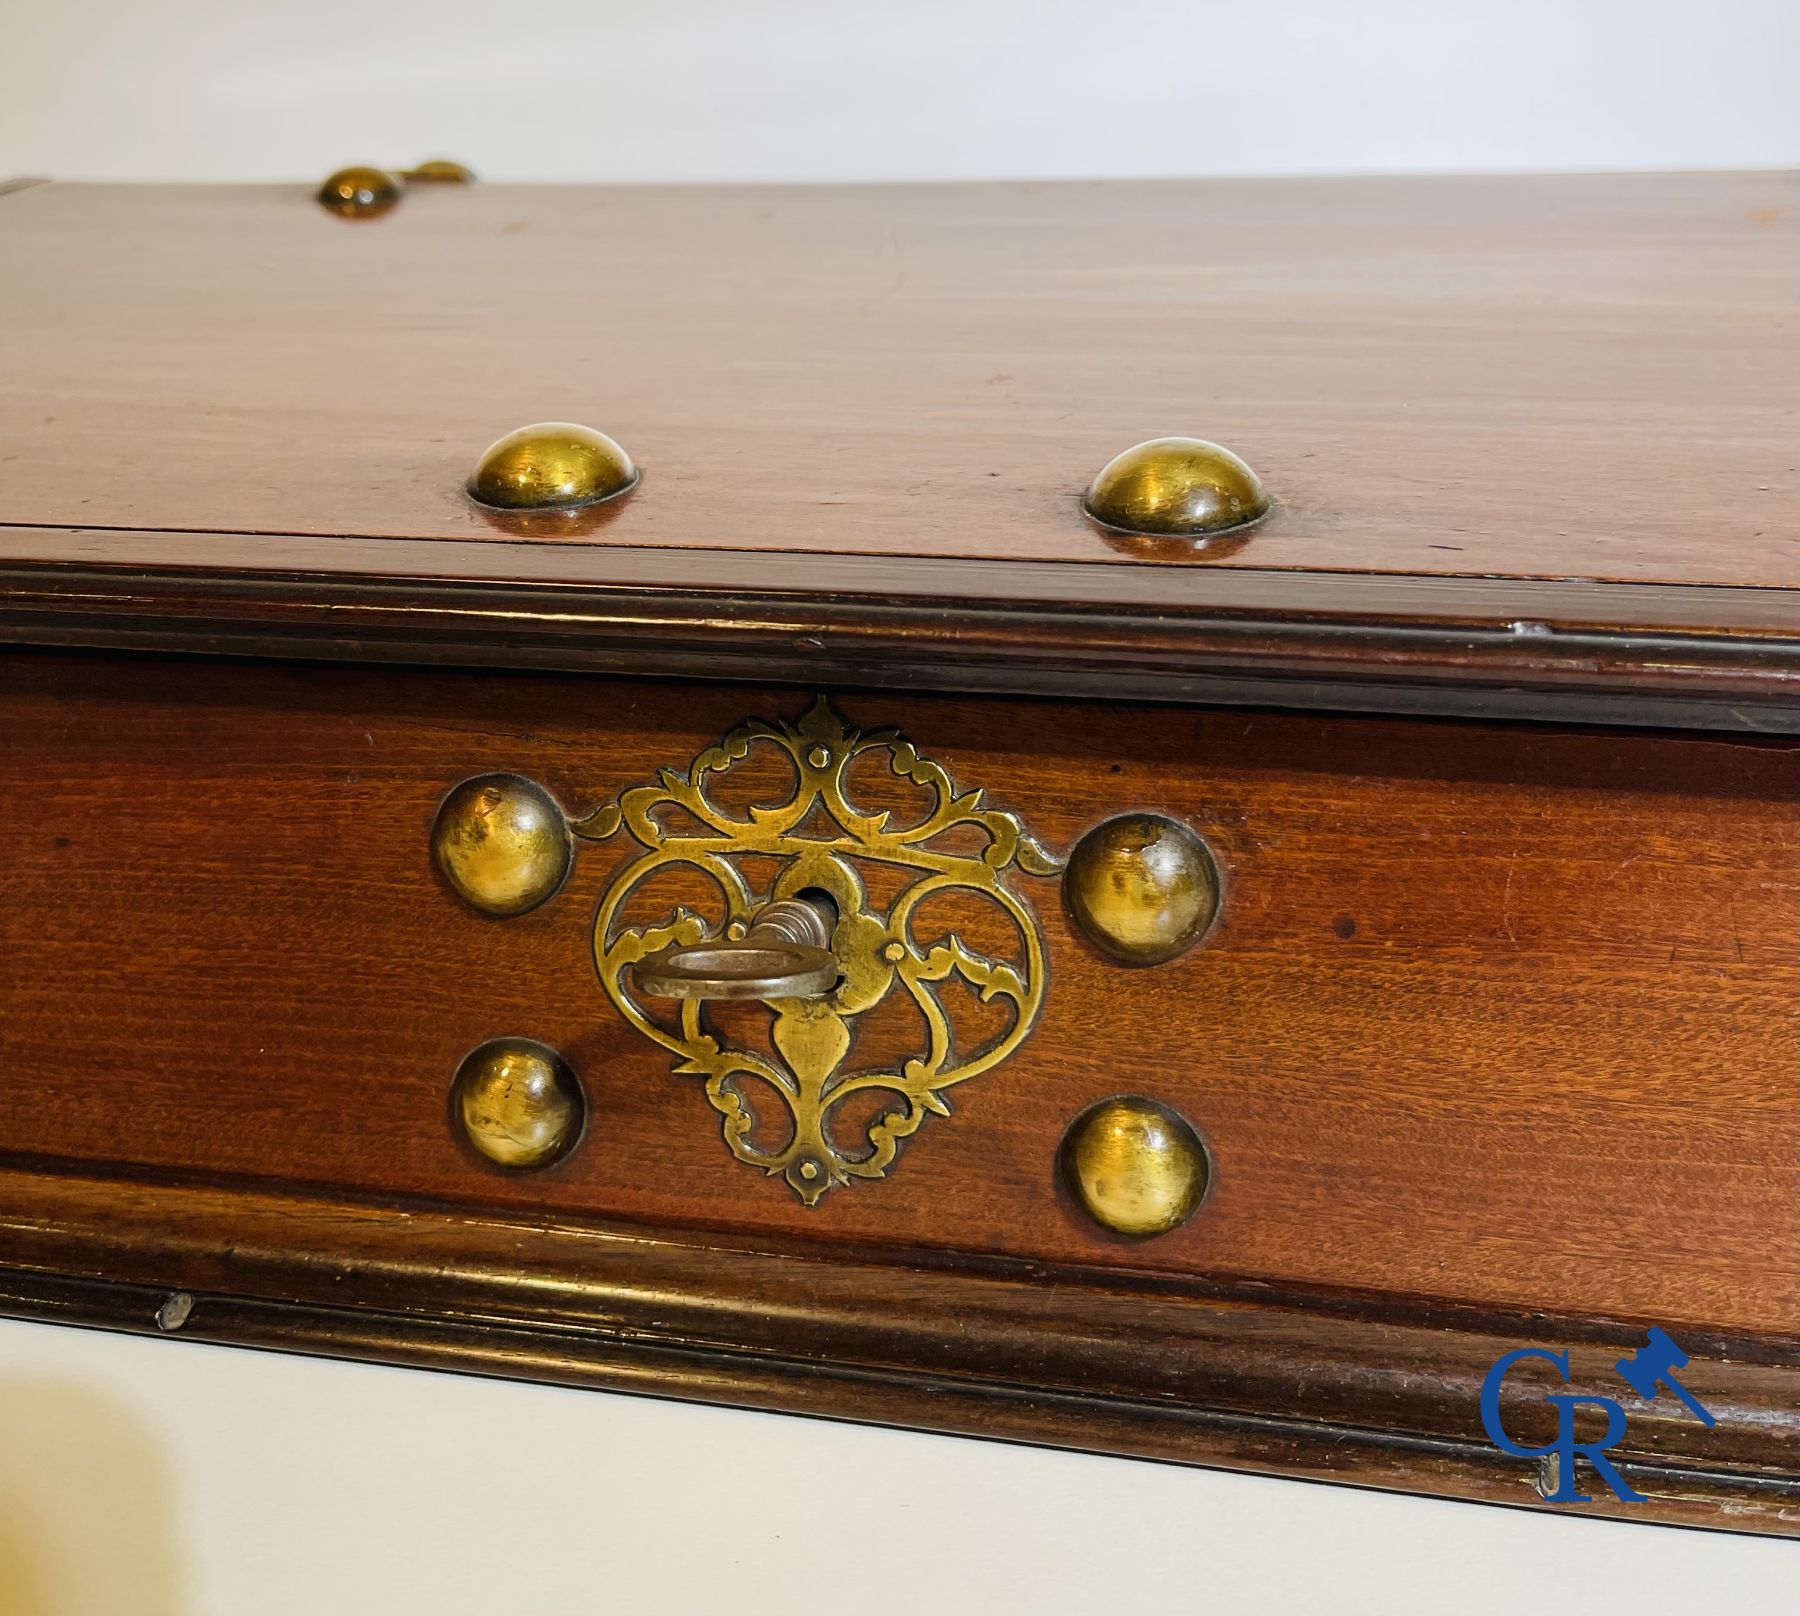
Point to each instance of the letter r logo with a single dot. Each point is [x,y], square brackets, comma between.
[1565,1447]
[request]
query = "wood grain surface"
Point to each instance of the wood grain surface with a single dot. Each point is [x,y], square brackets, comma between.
[1495,1015]
[1577,376]
[1377,1396]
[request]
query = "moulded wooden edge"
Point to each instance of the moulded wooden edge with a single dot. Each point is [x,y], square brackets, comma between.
[1344,1389]
[1670,656]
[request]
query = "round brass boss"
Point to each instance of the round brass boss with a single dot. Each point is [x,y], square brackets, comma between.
[555,465]
[439,171]
[517,1102]
[502,843]
[1135,1166]
[359,193]
[1142,888]
[1182,486]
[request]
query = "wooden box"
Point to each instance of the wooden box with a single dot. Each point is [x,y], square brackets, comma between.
[1286,938]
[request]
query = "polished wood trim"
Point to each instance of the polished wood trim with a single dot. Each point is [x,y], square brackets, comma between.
[1327,1388]
[1668,655]
[1568,604]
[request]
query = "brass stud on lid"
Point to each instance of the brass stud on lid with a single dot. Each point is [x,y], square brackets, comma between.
[438,171]
[360,193]
[1142,888]
[1176,486]
[502,843]
[555,465]
[517,1103]
[1136,1167]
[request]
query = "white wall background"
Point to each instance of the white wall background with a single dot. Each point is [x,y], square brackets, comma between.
[162,1479]
[848,89]
[165,1478]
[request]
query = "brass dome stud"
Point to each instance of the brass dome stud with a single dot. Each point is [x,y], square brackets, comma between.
[1135,1166]
[438,171]
[1185,487]
[360,193]
[1142,888]
[555,465]
[502,843]
[517,1103]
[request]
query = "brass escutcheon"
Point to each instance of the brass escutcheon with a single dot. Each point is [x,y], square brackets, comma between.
[800,1105]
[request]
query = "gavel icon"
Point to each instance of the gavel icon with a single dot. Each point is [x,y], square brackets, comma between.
[1652,1367]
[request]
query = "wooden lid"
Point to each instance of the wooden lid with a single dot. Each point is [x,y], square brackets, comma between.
[1567,402]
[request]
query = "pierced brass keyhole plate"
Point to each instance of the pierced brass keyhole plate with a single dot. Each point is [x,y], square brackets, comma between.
[786,1109]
